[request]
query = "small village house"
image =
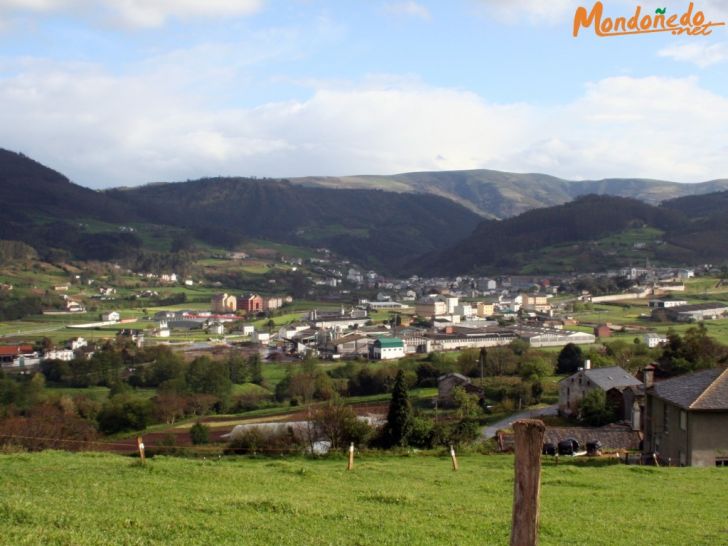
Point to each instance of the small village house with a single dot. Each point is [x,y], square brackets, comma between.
[224,303]
[686,419]
[447,383]
[572,389]
[252,303]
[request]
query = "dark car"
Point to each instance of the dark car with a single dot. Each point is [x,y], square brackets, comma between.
[568,446]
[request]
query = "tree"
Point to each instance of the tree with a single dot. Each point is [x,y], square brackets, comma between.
[207,377]
[399,417]
[199,433]
[595,411]
[337,422]
[255,371]
[570,359]
[124,412]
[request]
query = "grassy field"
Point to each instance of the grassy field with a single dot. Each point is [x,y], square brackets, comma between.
[83,499]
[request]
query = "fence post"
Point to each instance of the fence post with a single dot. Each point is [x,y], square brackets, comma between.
[454,459]
[527,486]
[351,457]
[140,445]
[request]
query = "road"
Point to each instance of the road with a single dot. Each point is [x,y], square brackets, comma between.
[489,431]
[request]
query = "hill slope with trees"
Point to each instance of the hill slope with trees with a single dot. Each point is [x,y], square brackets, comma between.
[591,233]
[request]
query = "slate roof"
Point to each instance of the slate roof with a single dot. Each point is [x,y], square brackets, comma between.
[611,377]
[706,390]
[611,436]
[458,375]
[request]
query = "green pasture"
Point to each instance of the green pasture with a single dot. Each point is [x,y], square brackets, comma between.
[98,499]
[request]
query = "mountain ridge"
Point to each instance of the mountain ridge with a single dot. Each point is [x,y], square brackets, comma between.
[500,194]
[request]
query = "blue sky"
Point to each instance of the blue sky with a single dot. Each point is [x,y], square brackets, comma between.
[124,92]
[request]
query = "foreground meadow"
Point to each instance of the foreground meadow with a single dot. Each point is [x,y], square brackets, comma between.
[87,498]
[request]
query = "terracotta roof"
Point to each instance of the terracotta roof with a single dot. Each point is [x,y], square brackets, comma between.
[14,350]
[706,390]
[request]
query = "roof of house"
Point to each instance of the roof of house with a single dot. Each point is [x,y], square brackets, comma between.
[611,377]
[389,342]
[698,307]
[459,376]
[706,390]
[611,436]
[14,350]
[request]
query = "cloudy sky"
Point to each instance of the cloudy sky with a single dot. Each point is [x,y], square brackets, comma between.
[125,92]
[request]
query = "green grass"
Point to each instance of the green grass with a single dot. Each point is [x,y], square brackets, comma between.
[101,394]
[84,499]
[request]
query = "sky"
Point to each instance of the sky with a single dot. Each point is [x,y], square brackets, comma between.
[127,92]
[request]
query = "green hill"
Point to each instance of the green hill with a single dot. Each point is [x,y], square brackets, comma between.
[593,233]
[92,499]
[382,230]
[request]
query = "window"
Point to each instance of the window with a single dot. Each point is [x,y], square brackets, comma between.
[683,420]
[665,419]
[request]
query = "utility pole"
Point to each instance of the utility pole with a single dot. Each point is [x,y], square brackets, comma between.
[481,360]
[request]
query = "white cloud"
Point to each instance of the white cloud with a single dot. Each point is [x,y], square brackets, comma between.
[410,8]
[154,124]
[534,11]
[559,11]
[137,13]
[699,53]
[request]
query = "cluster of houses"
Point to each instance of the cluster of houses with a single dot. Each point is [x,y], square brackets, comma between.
[682,420]
[349,333]
[22,356]
[250,303]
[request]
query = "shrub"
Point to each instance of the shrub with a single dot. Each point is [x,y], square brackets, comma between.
[271,441]
[199,434]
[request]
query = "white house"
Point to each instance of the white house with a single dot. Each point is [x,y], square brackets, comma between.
[77,343]
[111,316]
[59,354]
[216,328]
[261,337]
[248,329]
[653,340]
[163,330]
[387,348]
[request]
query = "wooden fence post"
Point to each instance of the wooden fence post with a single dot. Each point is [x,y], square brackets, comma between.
[527,486]
[140,445]
[351,457]
[454,459]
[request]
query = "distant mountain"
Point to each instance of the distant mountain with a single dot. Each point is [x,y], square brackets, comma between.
[593,233]
[495,194]
[382,230]
[425,222]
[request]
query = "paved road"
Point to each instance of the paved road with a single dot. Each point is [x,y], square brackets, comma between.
[20,333]
[489,431]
